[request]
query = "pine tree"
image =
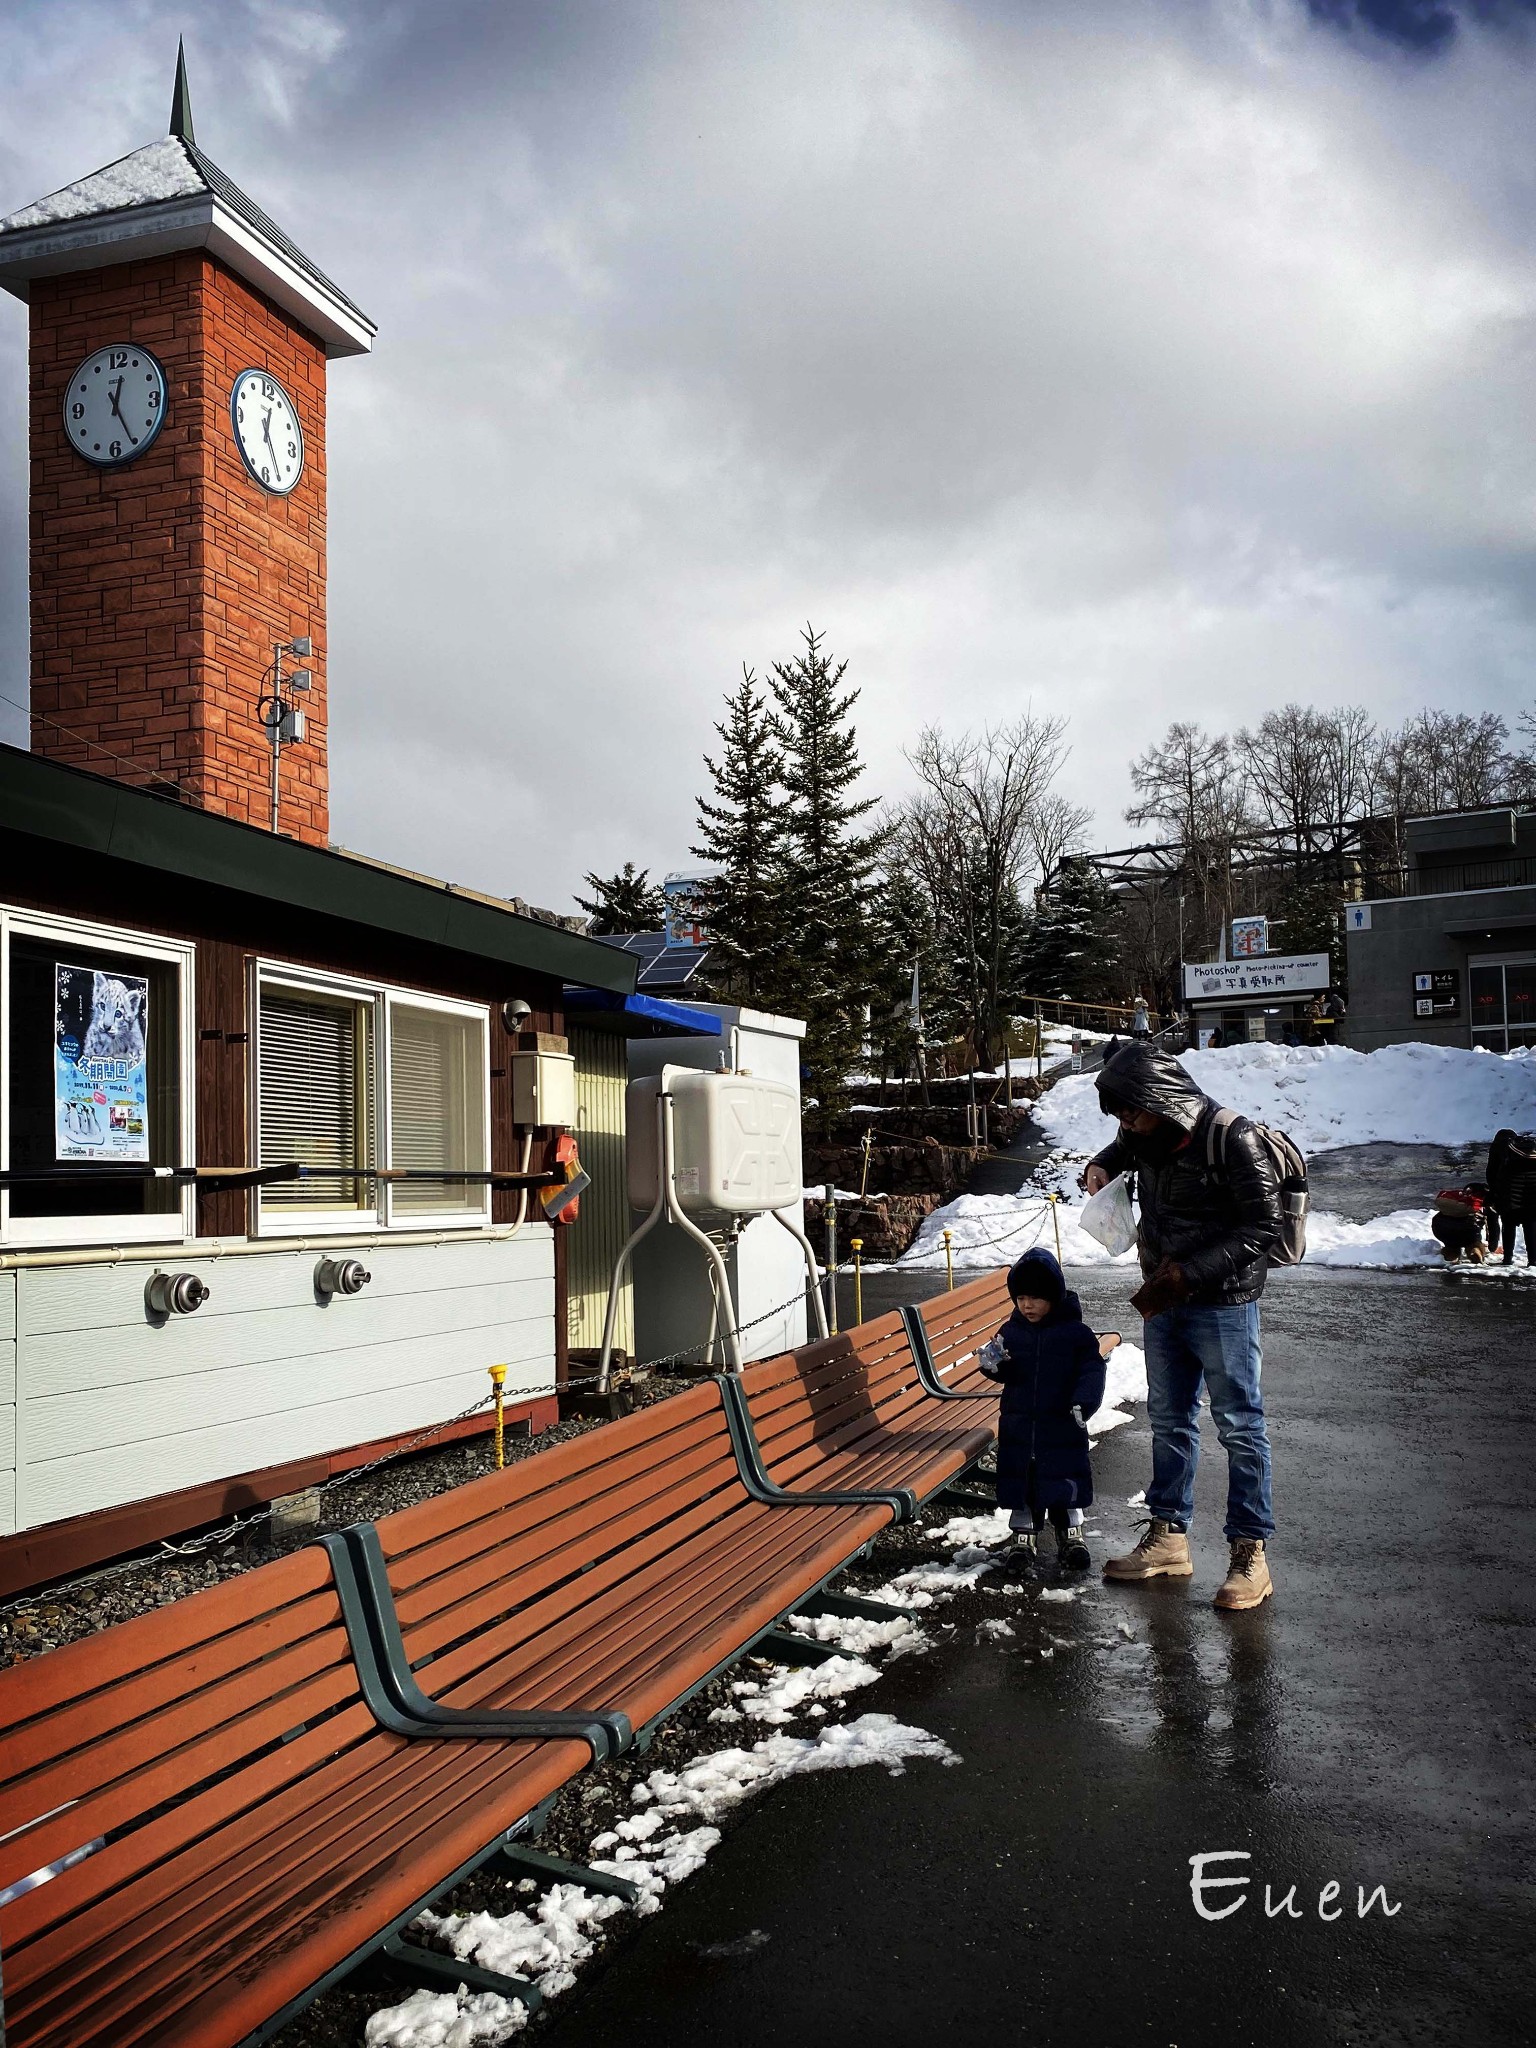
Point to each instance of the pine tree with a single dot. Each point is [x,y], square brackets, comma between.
[625,902]
[828,866]
[1073,950]
[742,832]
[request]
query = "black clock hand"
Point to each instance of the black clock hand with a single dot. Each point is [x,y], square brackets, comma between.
[114,396]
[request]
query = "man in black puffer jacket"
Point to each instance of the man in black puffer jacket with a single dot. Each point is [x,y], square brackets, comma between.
[1204,1237]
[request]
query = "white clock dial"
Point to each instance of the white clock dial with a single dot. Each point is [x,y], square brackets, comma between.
[115,404]
[267,433]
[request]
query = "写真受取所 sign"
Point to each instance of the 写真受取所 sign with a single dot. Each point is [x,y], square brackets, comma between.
[1277,974]
[100,1065]
[1437,993]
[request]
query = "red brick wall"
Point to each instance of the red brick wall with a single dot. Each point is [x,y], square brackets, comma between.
[158,588]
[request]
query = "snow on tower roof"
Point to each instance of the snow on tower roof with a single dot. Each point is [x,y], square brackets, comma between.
[168,196]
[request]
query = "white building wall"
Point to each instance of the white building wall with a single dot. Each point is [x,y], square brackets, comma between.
[110,1407]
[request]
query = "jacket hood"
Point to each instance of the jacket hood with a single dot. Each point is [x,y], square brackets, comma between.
[1146,1077]
[1037,1273]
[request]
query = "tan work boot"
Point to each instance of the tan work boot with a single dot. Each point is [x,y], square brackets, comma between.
[1247,1581]
[1162,1553]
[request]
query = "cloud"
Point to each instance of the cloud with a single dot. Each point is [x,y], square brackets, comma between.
[1143,362]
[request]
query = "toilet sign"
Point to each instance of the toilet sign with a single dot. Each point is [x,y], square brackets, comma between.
[1437,993]
[1357,917]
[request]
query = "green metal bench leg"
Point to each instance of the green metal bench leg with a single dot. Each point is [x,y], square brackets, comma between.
[430,1967]
[855,1606]
[901,1500]
[922,1359]
[389,1685]
[517,1861]
[786,1647]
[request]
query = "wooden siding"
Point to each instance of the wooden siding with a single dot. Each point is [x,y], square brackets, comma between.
[597,1237]
[113,1408]
[7,1403]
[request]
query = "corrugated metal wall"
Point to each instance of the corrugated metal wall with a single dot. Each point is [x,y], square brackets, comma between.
[597,1237]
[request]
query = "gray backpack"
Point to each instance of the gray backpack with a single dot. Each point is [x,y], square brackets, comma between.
[1291,1171]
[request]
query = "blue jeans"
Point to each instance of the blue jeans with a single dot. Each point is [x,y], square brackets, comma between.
[1221,1346]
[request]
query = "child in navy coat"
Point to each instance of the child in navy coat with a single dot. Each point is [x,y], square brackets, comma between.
[1052,1376]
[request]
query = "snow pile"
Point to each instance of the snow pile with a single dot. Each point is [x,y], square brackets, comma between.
[853,1632]
[1326,1096]
[1125,1380]
[713,1785]
[783,1692]
[160,170]
[446,2019]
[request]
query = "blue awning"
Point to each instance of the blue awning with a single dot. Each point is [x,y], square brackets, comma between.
[641,1016]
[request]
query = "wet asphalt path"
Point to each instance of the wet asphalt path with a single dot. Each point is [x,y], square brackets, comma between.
[1371,1725]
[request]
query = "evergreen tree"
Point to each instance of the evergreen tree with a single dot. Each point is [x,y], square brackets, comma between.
[625,902]
[1073,951]
[828,864]
[742,832]
[901,937]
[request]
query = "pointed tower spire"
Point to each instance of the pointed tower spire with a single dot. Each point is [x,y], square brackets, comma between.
[181,98]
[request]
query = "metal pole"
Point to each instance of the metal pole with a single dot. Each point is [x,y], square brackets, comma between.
[830,1218]
[498,1381]
[949,1258]
[858,1280]
[277,722]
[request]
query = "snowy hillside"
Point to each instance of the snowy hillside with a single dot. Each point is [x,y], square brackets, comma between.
[1324,1096]
[1327,1096]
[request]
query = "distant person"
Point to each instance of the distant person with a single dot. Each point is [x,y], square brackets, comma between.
[1141,1023]
[1204,1237]
[1213,1039]
[1466,1223]
[1511,1177]
[1052,1376]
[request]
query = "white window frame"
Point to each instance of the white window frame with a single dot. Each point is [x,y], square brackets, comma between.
[171,1226]
[385,997]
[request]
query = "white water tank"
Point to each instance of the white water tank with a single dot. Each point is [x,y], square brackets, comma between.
[736,1141]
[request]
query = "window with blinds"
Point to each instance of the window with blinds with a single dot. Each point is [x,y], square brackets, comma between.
[437,1107]
[316,1096]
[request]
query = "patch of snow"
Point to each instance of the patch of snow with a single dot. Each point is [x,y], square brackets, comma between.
[1062,1593]
[160,170]
[713,1785]
[446,2019]
[996,1628]
[854,1633]
[780,1695]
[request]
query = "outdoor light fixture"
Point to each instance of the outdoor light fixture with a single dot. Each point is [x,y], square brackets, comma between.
[515,1014]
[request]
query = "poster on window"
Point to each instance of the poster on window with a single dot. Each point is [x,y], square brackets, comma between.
[100,1065]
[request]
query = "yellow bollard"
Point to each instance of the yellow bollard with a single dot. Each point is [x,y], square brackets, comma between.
[949,1259]
[498,1381]
[1056,1221]
[858,1279]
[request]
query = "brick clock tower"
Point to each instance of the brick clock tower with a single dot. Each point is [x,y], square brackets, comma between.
[179,344]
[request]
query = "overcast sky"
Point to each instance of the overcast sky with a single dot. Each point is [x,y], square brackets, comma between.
[1140,358]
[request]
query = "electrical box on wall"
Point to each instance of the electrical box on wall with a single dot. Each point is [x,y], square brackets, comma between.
[544,1089]
[736,1141]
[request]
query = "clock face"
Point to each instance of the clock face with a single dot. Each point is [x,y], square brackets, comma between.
[267,434]
[115,404]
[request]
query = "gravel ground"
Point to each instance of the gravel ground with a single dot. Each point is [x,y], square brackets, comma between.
[78,1607]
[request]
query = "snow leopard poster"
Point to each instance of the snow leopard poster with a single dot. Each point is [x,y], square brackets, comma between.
[100,1065]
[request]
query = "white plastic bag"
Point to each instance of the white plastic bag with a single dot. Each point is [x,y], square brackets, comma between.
[1107,1216]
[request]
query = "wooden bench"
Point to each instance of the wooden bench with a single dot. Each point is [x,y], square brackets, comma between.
[235,1799]
[233,1825]
[853,1410]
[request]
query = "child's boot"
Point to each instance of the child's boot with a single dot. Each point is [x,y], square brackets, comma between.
[1071,1550]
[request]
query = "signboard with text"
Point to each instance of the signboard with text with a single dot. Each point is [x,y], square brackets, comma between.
[1277,974]
[1437,993]
[100,1065]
